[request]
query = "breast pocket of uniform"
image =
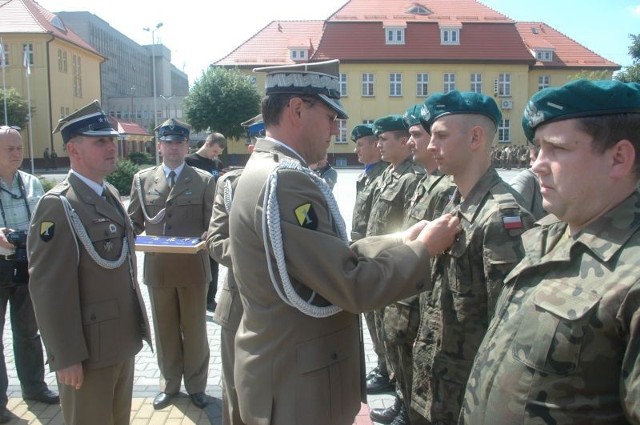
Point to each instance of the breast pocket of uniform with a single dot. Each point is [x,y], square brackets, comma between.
[551,335]
[100,321]
[459,271]
[190,206]
[153,203]
[106,237]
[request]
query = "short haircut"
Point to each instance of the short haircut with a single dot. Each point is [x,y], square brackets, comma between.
[274,104]
[607,130]
[217,139]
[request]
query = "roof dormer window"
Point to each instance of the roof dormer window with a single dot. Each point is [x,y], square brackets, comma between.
[298,54]
[394,35]
[450,36]
[418,9]
[544,55]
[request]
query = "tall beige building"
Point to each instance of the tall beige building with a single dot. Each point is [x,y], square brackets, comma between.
[395,53]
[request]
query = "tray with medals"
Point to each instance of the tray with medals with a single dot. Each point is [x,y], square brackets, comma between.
[169,244]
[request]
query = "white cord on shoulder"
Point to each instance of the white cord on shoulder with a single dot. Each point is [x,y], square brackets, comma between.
[271,224]
[81,232]
[153,220]
[227,195]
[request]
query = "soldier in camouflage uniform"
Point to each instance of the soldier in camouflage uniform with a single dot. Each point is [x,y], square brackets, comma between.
[368,154]
[564,344]
[468,277]
[391,198]
[431,196]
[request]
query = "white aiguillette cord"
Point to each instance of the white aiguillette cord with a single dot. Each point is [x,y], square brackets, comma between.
[271,223]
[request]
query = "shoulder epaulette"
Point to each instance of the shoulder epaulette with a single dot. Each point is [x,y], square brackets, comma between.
[59,189]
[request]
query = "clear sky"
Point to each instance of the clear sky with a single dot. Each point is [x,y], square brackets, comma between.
[201,32]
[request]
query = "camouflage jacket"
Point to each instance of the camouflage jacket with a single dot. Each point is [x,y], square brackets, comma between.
[564,345]
[392,196]
[432,194]
[364,197]
[467,280]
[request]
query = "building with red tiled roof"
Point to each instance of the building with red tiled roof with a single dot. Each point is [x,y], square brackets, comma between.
[395,53]
[64,71]
[133,137]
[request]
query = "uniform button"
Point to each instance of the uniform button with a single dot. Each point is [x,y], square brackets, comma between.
[334,356]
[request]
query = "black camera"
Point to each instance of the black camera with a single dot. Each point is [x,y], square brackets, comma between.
[18,238]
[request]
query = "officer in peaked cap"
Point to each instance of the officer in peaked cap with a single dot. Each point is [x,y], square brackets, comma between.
[463,126]
[312,79]
[91,314]
[175,199]
[299,320]
[254,127]
[89,120]
[173,130]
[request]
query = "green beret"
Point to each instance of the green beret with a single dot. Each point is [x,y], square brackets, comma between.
[412,115]
[361,130]
[455,102]
[580,98]
[389,123]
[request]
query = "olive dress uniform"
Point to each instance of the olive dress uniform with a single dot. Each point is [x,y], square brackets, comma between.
[177,282]
[88,313]
[292,368]
[229,310]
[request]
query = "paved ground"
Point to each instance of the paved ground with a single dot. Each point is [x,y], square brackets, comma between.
[147,376]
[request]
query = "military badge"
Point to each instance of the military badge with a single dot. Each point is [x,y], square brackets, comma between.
[306,216]
[47,230]
[112,228]
[512,222]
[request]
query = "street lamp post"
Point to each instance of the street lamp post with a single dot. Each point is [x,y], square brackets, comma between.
[155,101]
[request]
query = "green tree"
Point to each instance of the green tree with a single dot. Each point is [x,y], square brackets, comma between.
[631,74]
[220,100]
[17,108]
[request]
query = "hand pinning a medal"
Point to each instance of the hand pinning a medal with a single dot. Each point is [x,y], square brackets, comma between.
[436,235]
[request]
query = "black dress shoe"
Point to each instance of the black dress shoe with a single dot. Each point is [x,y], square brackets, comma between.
[378,384]
[386,416]
[162,400]
[200,400]
[375,371]
[402,418]
[5,417]
[45,396]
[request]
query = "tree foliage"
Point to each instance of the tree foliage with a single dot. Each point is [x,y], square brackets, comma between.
[220,100]
[17,108]
[631,73]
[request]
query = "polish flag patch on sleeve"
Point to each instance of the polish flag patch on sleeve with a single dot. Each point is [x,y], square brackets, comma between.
[512,222]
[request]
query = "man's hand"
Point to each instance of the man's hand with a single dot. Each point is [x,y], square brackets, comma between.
[72,376]
[3,238]
[439,234]
[410,234]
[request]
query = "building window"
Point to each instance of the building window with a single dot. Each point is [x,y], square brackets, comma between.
[450,36]
[343,85]
[59,60]
[449,82]
[77,76]
[504,84]
[476,82]
[504,131]
[341,137]
[27,49]
[4,55]
[544,81]
[367,121]
[394,35]
[395,84]
[422,85]
[367,84]
[298,54]
[544,55]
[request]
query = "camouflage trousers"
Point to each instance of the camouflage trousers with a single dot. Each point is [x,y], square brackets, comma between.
[378,345]
[401,321]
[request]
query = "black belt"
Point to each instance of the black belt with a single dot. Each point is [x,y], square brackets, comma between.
[7,257]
